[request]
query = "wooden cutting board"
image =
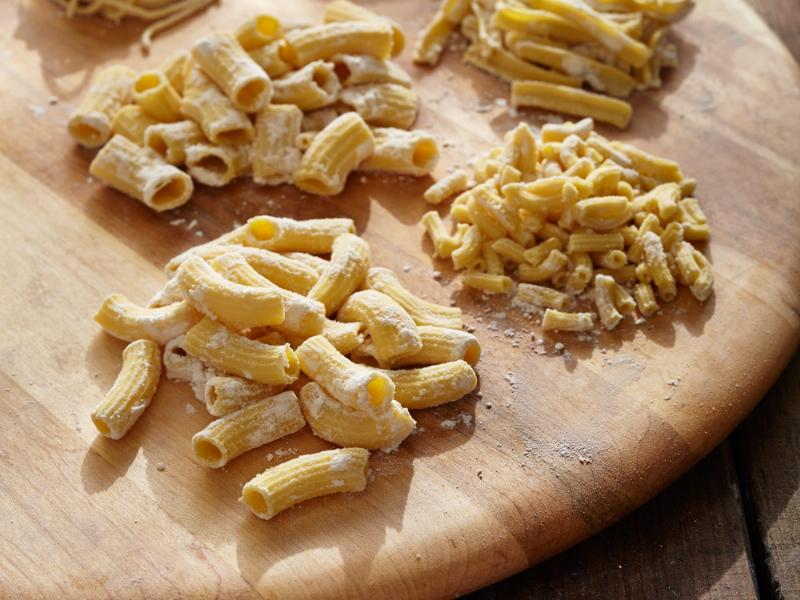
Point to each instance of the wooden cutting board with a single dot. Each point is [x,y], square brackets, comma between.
[558,446]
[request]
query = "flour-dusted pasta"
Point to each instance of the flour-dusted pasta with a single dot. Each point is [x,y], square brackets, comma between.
[110,90]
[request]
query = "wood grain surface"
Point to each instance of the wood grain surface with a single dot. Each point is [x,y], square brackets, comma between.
[105,520]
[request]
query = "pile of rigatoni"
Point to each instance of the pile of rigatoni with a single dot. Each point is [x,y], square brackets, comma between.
[572,215]
[550,49]
[306,105]
[259,309]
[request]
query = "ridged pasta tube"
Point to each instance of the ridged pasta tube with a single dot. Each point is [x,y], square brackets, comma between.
[432,39]
[306,477]
[339,424]
[275,154]
[447,187]
[281,234]
[236,305]
[391,329]
[439,345]
[170,140]
[311,87]
[141,174]
[223,349]
[308,44]
[434,385]
[555,320]
[231,68]
[659,269]
[604,299]
[249,427]
[356,69]
[350,258]
[153,92]
[343,10]
[570,100]
[204,102]
[355,385]
[540,296]
[223,394]
[422,311]
[383,104]
[180,366]
[127,321]
[336,150]
[174,68]
[132,391]
[269,58]
[216,166]
[258,31]
[132,122]
[399,151]
[111,89]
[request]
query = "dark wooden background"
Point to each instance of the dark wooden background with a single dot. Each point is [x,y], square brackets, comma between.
[730,528]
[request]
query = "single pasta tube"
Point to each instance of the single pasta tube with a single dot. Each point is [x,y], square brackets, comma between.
[308,44]
[434,385]
[645,299]
[258,31]
[504,64]
[215,344]
[281,234]
[154,93]
[383,104]
[223,394]
[521,150]
[421,311]
[127,321]
[249,427]
[544,297]
[350,258]
[439,345]
[555,320]
[357,69]
[236,305]
[343,10]
[657,265]
[269,58]
[132,122]
[595,242]
[487,282]
[170,140]
[132,391]
[443,242]
[231,68]
[432,39]
[555,262]
[355,385]
[406,152]
[216,166]
[570,100]
[334,153]
[174,68]
[391,329]
[141,174]
[179,366]
[339,424]
[309,88]
[604,287]
[274,152]
[306,477]
[110,90]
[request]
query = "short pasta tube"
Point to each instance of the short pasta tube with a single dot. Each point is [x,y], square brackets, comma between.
[128,321]
[132,390]
[231,68]
[357,69]
[215,344]
[216,166]
[259,31]
[529,294]
[570,100]
[645,299]
[432,39]
[556,320]
[153,92]
[336,150]
[132,122]
[487,282]
[434,385]
[170,140]
[659,269]
[339,424]
[179,366]
[344,10]
[399,151]
[603,213]
[595,242]
[111,89]
[604,289]
[391,329]
[439,345]
[269,58]
[383,104]
[443,242]
[504,64]
[236,305]
[306,477]
[141,174]
[275,155]
[447,187]
[355,385]
[223,394]
[350,259]
[174,68]
[281,234]
[249,427]
[308,44]
[421,311]
[220,120]
[314,86]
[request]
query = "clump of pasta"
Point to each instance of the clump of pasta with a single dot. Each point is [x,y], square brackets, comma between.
[279,302]
[304,105]
[550,49]
[574,225]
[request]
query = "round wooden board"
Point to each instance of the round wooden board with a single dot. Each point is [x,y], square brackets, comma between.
[558,446]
